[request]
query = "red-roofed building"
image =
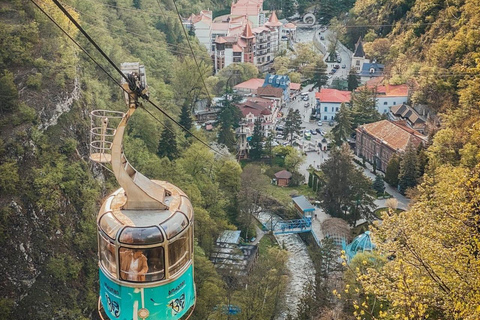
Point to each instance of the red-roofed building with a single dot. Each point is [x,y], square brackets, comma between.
[283,178]
[379,141]
[252,110]
[329,101]
[387,95]
[249,86]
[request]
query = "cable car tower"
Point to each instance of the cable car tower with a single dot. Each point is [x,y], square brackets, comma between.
[145,228]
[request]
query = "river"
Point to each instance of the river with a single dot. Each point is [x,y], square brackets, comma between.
[299,265]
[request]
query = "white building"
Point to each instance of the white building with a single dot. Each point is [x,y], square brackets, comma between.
[330,101]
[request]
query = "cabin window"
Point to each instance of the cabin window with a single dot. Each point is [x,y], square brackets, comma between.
[110,225]
[108,255]
[142,265]
[141,235]
[186,207]
[174,225]
[178,253]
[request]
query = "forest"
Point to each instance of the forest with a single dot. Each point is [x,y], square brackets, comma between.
[426,265]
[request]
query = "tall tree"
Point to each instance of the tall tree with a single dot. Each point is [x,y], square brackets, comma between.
[320,77]
[392,171]
[345,192]
[8,92]
[343,128]
[256,148]
[229,119]
[167,147]
[186,118]
[408,175]
[364,108]
[379,184]
[293,124]
[353,80]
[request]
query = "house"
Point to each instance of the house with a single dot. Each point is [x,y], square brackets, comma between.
[371,70]
[409,116]
[377,142]
[387,95]
[249,87]
[230,258]
[303,206]
[252,9]
[289,31]
[295,89]
[201,24]
[269,92]
[329,101]
[251,111]
[279,81]
[275,27]
[358,57]
[283,178]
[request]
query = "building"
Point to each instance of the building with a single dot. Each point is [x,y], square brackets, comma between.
[358,57]
[251,111]
[269,92]
[370,71]
[377,142]
[362,243]
[289,31]
[252,9]
[409,116]
[279,81]
[230,257]
[329,101]
[387,95]
[249,87]
[201,24]
[283,178]
[303,206]
[275,27]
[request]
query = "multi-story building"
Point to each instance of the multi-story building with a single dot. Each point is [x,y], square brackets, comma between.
[406,114]
[379,141]
[358,58]
[329,101]
[258,44]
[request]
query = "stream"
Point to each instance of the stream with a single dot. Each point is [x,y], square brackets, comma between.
[299,265]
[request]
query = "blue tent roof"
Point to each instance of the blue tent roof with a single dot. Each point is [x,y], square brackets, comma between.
[303,204]
[361,243]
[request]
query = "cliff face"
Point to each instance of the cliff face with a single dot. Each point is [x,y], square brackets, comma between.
[47,194]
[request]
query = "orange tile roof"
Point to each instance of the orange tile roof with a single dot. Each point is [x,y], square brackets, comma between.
[333,95]
[289,26]
[246,7]
[273,21]
[295,86]
[250,84]
[270,91]
[220,26]
[247,32]
[236,48]
[395,135]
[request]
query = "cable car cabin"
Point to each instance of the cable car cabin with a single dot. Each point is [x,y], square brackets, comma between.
[145,259]
[145,228]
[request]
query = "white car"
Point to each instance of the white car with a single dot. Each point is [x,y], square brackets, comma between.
[320,123]
[279,136]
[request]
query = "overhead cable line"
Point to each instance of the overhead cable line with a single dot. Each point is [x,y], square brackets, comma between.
[116,68]
[191,49]
[78,45]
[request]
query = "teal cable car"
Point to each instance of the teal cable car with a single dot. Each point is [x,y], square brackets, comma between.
[145,228]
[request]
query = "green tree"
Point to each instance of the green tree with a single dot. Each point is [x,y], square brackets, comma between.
[379,184]
[256,148]
[293,124]
[392,171]
[229,119]
[167,147]
[8,92]
[345,192]
[343,128]
[186,118]
[320,77]
[364,107]
[353,80]
[408,174]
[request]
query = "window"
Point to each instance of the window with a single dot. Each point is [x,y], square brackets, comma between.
[357,62]
[385,103]
[325,118]
[326,110]
[178,253]
[336,109]
[394,103]
[333,109]
[140,265]
[108,255]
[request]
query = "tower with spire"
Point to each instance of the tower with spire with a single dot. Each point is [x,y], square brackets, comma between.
[247,40]
[358,58]
[274,25]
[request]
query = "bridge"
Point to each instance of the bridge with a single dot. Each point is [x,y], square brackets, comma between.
[290,226]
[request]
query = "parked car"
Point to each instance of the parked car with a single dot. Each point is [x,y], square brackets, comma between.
[305,98]
[344,66]
[322,38]
[323,133]
[314,132]
[307,104]
[320,123]
[331,123]
[337,66]
[334,70]
[279,136]
[318,130]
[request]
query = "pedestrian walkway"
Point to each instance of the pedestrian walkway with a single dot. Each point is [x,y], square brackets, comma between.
[403,202]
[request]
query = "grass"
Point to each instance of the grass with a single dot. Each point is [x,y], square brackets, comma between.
[267,241]
[284,194]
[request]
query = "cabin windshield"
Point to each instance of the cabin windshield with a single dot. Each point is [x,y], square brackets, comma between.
[108,255]
[142,265]
[179,252]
